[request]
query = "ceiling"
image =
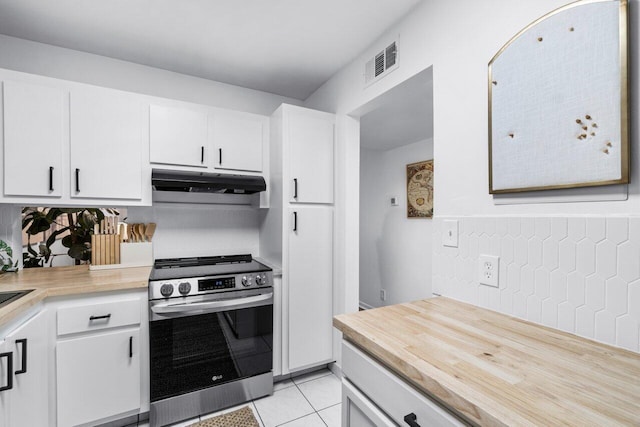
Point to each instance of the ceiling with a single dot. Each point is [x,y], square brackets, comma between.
[400,116]
[285,47]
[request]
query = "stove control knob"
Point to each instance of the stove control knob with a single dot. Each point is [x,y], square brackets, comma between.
[184,288]
[246,281]
[260,280]
[166,290]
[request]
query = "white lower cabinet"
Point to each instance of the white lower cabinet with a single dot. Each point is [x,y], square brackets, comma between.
[24,374]
[310,287]
[372,395]
[101,358]
[98,376]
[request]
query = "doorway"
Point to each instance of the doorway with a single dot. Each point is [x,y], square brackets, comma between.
[396,129]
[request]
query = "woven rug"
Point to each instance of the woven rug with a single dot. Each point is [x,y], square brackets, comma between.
[243,417]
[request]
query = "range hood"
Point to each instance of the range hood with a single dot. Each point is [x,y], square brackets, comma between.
[204,187]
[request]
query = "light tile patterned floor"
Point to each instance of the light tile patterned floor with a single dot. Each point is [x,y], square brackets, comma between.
[311,400]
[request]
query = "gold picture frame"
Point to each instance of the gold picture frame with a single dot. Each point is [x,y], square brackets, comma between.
[420,189]
[524,134]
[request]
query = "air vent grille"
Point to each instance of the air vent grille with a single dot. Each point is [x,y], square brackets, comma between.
[390,55]
[381,63]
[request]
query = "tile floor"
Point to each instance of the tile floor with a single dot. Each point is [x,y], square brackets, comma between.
[310,400]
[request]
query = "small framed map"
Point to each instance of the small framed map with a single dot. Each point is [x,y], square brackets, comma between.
[420,189]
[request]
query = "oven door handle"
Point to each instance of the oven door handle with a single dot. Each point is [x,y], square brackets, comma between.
[246,302]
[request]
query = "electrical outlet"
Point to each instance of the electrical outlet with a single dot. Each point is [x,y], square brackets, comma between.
[488,268]
[383,294]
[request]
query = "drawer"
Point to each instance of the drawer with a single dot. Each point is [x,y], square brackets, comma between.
[98,316]
[391,394]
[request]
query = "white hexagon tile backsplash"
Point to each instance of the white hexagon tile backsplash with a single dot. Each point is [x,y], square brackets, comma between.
[577,274]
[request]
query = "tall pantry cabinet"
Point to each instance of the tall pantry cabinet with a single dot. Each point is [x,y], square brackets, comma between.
[298,229]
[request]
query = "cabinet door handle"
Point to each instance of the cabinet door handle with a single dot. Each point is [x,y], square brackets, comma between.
[106,317]
[411,420]
[77,180]
[220,156]
[295,188]
[202,154]
[9,357]
[50,178]
[23,342]
[295,221]
[130,347]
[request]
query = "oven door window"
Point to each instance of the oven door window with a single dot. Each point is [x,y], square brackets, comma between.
[196,352]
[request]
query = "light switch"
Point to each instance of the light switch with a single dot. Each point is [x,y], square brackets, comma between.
[450,233]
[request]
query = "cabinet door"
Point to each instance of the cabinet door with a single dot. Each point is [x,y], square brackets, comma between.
[310,286]
[177,136]
[5,373]
[238,141]
[29,397]
[106,136]
[33,137]
[98,376]
[311,136]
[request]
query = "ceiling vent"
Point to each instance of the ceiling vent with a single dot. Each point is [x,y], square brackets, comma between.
[381,64]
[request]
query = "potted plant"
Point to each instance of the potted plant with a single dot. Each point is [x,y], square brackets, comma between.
[5,257]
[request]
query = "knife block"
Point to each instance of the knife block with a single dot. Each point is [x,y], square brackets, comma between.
[105,249]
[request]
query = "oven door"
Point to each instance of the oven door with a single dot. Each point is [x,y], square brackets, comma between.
[203,341]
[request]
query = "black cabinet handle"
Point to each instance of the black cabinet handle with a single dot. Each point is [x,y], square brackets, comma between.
[50,178]
[77,180]
[130,347]
[202,154]
[411,420]
[295,188]
[9,357]
[23,342]
[295,221]
[219,155]
[106,316]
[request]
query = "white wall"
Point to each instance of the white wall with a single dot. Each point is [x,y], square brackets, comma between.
[392,246]
[458,39]
[47,60]
[199,230]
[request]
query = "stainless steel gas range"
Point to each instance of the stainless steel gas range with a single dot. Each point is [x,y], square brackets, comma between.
[211,334]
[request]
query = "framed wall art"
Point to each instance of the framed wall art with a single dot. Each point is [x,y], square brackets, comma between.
[420,189]
[558,102]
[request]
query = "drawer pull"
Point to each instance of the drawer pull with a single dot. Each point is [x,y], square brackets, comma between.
[411,420]
[24,356]
[9,357]
[105,317]
[295,188]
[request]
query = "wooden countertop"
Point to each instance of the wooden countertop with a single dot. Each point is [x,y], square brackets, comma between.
[493,369]
[58,281]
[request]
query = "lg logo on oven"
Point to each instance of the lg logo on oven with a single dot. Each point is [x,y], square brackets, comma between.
[216,378]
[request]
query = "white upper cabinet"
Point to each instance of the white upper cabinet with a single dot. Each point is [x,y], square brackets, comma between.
[310,146]
[106,137]
[178,136]
[238,140]
[33,138]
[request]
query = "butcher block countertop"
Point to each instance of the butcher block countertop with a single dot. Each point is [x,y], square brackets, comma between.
[493,370]
[58,281]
